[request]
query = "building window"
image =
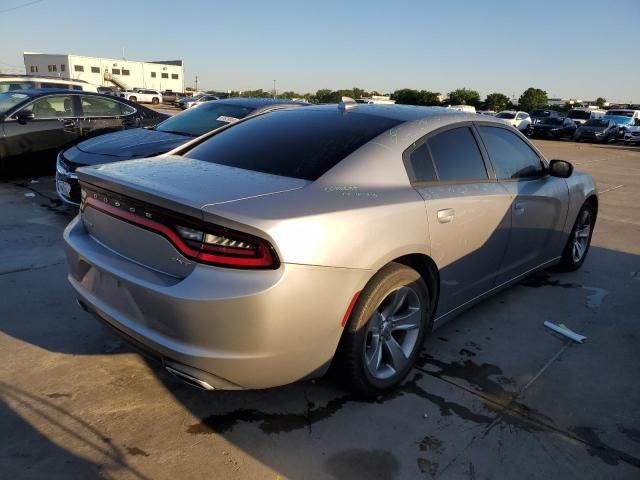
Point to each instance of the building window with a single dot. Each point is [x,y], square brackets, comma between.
[115,71]
[153,74]
[78,68]
[174,76]
[165,75]
[53,68]
[95,69]
[62,67]
[125,72]
[33,69]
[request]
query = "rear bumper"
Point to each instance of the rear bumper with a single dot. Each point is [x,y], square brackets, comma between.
[238,328]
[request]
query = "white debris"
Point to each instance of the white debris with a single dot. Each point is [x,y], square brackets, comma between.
[566,331]
[30,195]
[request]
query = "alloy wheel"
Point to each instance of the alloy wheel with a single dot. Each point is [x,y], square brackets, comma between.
[581,236]
[392,333]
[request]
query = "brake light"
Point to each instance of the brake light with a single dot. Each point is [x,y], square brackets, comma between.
[203,243]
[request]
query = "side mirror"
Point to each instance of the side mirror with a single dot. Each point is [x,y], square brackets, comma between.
[560,168]
[24,116]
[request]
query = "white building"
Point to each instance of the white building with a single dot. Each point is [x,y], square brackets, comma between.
[126,74]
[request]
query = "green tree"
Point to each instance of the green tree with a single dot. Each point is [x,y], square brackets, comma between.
[429,98]
[600,102]
[496,102]
[464,96]
[324,95]
[533,98]
[406,96]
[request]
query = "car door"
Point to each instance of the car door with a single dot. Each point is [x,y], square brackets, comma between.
[55,126]
[102,115]
[538,201]
[467,213]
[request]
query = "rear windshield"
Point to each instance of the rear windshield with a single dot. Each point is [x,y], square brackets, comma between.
[552,121]
[579,114]
[597,123]
[621,113]
[208,116]
[540,113]
[299,143]
[506,115]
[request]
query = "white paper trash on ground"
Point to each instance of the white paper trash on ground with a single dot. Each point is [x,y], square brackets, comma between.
[567,332]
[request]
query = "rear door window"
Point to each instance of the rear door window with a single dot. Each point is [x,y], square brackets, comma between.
[456,155]
[510,156]
[297,143]
[103,107]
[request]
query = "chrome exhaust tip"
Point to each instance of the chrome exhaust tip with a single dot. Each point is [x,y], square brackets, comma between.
[191,380]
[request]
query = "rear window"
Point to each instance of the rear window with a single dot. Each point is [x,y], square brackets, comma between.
[298,143]
[198,121]
[579,114]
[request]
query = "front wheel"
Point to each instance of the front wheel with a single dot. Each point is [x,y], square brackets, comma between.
[155,101]
[385,331]
[133,99]
[579,241]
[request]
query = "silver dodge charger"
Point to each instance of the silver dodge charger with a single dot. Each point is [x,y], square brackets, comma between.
[329,237]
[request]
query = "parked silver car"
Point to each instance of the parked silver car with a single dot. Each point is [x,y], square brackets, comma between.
[321,236]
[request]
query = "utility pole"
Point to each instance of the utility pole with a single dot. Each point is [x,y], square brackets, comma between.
[196,83]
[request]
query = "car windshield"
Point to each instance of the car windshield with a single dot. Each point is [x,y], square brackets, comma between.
[296,143]
[207,117]
[620,113]
[552,121]
[579,114]
[596,123]
[9,100]
[540,113]
[507,115]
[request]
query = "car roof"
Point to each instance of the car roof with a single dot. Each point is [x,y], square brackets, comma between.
[257,102]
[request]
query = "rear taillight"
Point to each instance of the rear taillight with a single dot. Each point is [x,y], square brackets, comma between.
[203,243]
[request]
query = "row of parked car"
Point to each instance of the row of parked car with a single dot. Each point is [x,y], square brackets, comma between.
[579,124]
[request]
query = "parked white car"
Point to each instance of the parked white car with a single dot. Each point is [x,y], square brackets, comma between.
[519,120]
[143,96]
[632,135]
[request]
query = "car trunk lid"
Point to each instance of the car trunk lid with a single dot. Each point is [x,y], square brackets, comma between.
[122,196]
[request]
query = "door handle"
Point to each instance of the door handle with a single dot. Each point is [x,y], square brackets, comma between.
[68,124]
[518,208]
[445,215]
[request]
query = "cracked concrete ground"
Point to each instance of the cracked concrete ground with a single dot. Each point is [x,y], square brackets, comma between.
[494,394]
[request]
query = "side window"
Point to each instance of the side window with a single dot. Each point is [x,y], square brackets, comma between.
[63,86]
[95,69]
[456,155]
[103,107]
[510,156]
[422,165]
[59,106]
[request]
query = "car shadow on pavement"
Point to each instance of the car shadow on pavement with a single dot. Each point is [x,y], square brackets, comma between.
[32,454]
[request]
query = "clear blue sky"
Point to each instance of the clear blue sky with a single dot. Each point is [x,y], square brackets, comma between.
[570,48]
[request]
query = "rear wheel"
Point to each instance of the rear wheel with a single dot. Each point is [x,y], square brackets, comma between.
[385,331]
[579,241]
[133,99]
[155,100]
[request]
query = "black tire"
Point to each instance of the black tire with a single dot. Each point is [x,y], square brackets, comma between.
[133,99]
[569,261]
[350,362]
[155,100]
[626,143]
